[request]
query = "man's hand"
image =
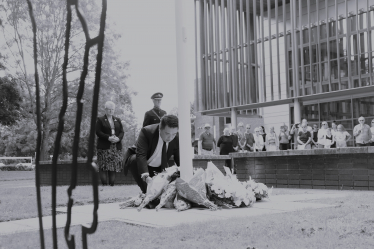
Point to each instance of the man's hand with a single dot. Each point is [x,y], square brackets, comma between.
[145,177]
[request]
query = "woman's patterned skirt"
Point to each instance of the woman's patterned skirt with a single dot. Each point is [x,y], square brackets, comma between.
[110,159]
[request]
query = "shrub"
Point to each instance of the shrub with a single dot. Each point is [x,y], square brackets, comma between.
[15,168]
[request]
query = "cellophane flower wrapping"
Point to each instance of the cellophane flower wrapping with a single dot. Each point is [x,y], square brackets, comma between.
[181,204]
[167,196]
[227,190]
[195,190]
[157,184]
[260,190]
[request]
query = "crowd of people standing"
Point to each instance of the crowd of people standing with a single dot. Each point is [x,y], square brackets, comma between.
[301,136]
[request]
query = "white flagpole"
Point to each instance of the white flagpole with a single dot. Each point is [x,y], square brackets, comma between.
[185,146]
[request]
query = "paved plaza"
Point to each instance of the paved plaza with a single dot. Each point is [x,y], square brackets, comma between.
[82,215]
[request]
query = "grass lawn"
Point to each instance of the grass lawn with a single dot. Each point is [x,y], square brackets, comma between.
[18,195]
[348,225]
[17,175]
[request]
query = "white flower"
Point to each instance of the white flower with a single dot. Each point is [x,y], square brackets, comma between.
[238,202]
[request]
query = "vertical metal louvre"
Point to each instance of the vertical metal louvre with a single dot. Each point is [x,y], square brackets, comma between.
[243,61]
[270,52]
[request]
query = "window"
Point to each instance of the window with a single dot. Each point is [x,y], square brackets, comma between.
[336,110]
[310,112]
[363,107]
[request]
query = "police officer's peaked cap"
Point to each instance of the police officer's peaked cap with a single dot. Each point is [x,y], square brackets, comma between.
[157,96]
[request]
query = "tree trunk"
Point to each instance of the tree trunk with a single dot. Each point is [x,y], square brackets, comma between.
[44,154]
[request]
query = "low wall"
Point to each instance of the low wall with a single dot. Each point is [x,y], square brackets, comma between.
[344,168]
[83,176]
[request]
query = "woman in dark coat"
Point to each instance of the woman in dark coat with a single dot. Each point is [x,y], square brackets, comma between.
[225,144]
[109,131]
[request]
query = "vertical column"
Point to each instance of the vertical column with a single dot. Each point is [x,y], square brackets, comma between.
[286,49]
[263,52]
[255,25]
[328,44]
[243,85]
[235,52]
[183,106]
[251,82]
[369,41]
[301,48]
[218,61]
[203,57]
[348,46]
[207,76]
[197,90]
[295,67]
[358,44]
[310,50]
[224,62]
[212,81]
[337,42]
[297,110]
[278,62]
[230,57]
[319,50]
[233,118]
[270,52]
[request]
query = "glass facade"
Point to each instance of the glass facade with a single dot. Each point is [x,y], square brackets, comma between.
[345,112]
[338,60]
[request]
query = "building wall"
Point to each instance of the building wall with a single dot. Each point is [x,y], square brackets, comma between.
[276,116]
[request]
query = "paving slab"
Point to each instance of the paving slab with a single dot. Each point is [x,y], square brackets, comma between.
[82,215]
[306,197]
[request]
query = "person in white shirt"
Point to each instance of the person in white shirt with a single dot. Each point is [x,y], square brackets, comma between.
[362,133]
[322,134]
[259,140]
[272,142]
[341,137]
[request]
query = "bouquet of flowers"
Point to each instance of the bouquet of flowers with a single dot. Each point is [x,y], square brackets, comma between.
[260,190]
[195,190]
[227,190]
[157,185]
[133,202]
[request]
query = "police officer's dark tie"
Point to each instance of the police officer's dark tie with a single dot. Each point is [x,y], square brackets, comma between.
[164,159]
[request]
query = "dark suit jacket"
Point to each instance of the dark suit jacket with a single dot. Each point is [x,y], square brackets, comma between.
[104,131]
[151,118]
[147,143]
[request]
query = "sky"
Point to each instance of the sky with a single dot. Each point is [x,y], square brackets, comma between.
[148,41]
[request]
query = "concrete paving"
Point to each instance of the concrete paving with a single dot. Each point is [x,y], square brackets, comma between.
[82,215]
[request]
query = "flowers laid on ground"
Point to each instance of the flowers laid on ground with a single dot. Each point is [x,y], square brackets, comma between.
[209,188]
[259,189]
[227,190]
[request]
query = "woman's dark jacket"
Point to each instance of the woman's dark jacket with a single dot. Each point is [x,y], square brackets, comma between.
[104,131]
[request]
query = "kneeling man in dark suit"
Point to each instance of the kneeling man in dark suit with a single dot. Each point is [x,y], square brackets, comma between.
[156,143]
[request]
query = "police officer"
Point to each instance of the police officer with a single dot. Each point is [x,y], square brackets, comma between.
[154,116]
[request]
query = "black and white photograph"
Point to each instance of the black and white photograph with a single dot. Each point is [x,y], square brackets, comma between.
[245,124]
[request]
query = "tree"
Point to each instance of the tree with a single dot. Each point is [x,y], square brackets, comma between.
[50,17]
[10,101]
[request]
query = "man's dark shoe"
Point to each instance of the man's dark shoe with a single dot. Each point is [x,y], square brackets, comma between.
[153,204]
